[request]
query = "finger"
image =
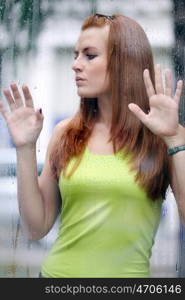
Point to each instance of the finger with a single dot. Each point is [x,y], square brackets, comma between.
[9,99]
[148,83]
[158,80]
[3,111]
[137,111]
[27,96]
[178,91]
[16,94]
[168,83]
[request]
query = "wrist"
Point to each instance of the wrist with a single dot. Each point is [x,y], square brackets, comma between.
[26,148]
[176,140]
[174,150]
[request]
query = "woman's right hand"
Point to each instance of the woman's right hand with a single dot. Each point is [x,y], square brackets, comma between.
[24,123]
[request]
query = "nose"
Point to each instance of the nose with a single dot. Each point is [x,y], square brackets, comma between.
[77,65]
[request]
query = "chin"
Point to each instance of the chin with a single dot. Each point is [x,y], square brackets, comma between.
[87,95]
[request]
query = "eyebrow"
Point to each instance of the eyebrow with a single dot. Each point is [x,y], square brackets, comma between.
[85,49]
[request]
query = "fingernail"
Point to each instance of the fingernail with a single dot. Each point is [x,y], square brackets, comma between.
[40,110]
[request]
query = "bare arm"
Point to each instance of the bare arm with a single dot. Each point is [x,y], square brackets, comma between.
[38,197]
[162,120]
[178,171]
[30,200]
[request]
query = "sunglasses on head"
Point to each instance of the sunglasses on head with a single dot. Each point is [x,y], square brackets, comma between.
[104,16]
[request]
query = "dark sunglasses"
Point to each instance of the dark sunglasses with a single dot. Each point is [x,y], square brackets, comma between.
[104,16]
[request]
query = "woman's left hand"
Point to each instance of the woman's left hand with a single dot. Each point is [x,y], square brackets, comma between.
[162,119]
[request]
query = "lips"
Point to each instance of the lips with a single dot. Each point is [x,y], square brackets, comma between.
[79,81]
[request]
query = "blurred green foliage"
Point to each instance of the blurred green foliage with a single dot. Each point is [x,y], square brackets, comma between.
[25,15]
[29,16]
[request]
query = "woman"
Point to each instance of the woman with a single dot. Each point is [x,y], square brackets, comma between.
[108,164]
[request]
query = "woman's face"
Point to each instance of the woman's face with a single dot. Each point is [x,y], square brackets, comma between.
[90,64]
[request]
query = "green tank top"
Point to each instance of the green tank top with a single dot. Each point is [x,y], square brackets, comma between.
[108,223]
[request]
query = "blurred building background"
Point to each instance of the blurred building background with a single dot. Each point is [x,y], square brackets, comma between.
[37,39]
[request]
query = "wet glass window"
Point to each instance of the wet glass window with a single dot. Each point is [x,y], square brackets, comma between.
[37,40]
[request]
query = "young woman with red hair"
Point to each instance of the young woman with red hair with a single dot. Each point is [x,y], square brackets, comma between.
[107,167]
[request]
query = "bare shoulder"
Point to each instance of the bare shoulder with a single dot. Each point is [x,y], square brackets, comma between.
[61,126]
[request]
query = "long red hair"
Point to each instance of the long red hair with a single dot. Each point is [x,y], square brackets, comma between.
[129,53]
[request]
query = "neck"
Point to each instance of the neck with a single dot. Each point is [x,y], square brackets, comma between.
[105,111]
